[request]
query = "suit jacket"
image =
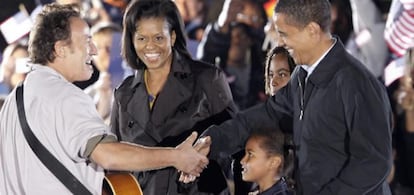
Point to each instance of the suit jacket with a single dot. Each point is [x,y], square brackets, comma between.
[195,96]
[343,141]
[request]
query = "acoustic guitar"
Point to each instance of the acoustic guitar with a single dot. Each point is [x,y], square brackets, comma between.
[120,184]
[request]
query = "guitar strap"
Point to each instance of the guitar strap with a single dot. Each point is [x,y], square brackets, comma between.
[60,171]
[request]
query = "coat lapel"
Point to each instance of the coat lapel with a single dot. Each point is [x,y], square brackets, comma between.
[308,92]
[138,107]
[328,66]
[325,71]
[134,100]
[176,92]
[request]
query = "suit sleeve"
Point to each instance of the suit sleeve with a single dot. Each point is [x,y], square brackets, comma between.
[230,136]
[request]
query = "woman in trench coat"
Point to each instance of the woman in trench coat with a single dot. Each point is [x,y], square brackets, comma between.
[169,96]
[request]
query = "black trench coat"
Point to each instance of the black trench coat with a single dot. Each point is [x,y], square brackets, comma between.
[195,96]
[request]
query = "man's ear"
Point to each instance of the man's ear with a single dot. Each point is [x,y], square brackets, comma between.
[60,49]
[313,28]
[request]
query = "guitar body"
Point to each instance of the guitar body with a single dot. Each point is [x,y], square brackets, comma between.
[120,184]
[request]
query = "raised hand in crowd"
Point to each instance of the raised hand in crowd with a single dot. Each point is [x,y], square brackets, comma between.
[229,14]
[405,98]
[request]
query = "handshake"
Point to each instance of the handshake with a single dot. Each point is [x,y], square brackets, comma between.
[193,158]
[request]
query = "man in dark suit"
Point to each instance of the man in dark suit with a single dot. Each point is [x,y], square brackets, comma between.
[341,113]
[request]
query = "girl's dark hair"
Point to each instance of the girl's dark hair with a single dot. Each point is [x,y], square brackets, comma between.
[274,142]
[52,25]
[140,9]
[271,140]
[272,53]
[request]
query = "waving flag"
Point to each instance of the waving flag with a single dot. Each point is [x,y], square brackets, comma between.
[18,25]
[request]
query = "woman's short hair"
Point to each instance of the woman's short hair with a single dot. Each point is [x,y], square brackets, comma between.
[139,9]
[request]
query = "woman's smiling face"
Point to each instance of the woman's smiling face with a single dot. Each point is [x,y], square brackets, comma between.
[153,42]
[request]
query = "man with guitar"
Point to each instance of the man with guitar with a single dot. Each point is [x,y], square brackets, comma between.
[60,123]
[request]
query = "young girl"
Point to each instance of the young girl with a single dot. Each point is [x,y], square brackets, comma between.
[279,66]
[264,162]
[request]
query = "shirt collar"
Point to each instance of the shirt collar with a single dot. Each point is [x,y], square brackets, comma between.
[310,69]
[44,68]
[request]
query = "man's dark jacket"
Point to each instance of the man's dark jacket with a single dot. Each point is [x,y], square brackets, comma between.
[343,142]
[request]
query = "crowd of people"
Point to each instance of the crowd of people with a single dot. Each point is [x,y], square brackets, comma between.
[295,100]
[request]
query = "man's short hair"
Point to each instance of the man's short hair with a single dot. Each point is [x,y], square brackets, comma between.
[300,13]
[51,25]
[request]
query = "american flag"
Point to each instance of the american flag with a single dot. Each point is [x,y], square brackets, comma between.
[18,25]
